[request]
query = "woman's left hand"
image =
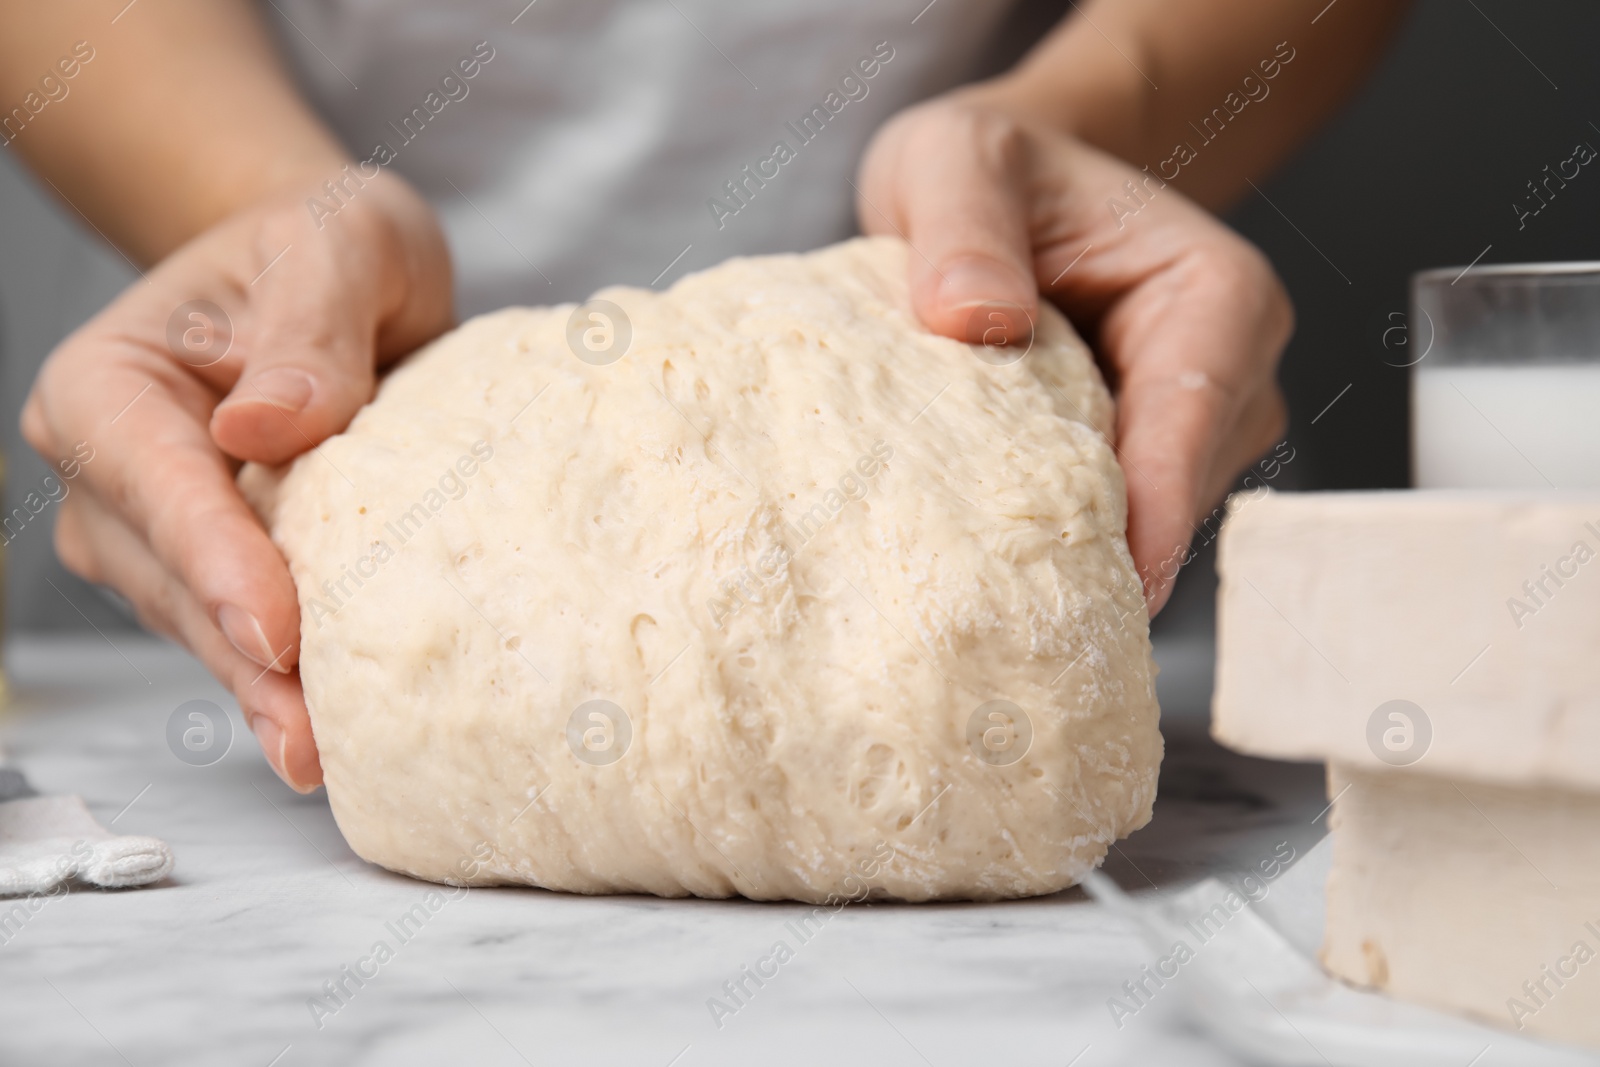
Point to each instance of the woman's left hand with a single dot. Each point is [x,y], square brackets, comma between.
[1188,319]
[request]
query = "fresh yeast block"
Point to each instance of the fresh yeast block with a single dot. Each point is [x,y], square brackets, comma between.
[1479,610]
[1482,899]
[1441,650]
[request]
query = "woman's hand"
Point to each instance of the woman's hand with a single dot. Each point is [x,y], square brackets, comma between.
[172,395]
[1188,319]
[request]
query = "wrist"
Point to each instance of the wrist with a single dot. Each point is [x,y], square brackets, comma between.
[297,172]
[1106,105]
[333,196]
[237,185]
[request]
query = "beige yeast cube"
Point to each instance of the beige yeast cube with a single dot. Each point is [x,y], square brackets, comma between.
[1481,608]
[1475,898]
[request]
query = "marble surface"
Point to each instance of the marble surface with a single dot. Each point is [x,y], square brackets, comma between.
[218,964]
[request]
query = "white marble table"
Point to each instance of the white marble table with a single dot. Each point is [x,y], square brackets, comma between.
[217,964]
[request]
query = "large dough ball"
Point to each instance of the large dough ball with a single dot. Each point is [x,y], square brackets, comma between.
[792,599]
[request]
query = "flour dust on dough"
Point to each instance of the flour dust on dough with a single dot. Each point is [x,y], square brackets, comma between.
[793,600]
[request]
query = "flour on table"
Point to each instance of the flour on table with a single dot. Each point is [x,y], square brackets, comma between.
[793,600]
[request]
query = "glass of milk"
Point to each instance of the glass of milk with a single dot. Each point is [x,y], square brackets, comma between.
[1505,387]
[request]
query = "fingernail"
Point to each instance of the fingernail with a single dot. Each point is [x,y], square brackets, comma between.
[245,633]
[282,387]
[970,282]
[273,746]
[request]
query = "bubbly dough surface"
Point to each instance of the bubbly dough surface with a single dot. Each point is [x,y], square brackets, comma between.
[796,544]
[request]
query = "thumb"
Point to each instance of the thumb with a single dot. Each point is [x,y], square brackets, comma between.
[965,215]
[306,347]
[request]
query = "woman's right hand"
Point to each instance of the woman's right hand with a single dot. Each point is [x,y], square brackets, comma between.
[171,406]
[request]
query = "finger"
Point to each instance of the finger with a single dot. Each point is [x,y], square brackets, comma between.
[98,546]
[147,456]
[1164,438]
[306,347]
[1196,349]
[964,214]
[327,302]
[1260,426]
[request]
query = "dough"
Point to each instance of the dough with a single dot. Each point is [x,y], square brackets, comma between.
[793,600]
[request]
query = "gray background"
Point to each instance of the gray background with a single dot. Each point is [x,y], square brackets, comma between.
[1421,170]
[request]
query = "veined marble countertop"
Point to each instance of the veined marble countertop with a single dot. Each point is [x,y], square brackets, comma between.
[220,963]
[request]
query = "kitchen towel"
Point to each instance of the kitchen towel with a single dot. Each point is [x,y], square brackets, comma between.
[1253,984]
[47,840]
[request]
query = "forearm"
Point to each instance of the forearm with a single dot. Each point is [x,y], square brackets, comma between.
[1139,78]
[180,114]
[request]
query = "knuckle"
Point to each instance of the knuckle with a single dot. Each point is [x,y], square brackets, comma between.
[122,486]
[159,608]
[1241,267]
[998,141]
[1279,309]
[153,617]
[73,546]
[1274,420]
[1246,269]
[279,225]
[969,129]
[35,426]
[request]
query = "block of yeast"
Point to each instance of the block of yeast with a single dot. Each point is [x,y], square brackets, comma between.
[1454,631]
[1476,898]
[1441,650]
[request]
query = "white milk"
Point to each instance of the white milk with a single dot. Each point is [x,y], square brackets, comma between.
[1506,426]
